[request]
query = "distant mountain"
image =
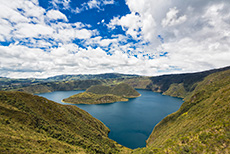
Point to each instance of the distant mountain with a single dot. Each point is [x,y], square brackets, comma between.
[90,77]
[100,94]
[179,85]
[59,86]
[12,83]
[33,124]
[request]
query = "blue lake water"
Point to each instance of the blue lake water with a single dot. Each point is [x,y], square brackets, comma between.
[130,122]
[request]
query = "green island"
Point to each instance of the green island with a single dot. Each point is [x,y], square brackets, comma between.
[33,124]
[99,94]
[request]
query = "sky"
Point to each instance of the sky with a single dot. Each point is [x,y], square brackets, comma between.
[43,38]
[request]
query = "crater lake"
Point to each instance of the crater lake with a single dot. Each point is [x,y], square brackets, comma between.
[130,122]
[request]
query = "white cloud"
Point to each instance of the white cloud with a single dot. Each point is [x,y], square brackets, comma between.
[195,33]
[92,4]
[24,30]
[26,20]
[55,15]
[65,3]
[172,19]
[130,23]
[106,2]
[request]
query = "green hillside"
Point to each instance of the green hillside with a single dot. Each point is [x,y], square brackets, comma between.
[122,89]
[202,123]
[40,84]
[100,94]
[33,124]
[92,98]
[179,85]
[59,86]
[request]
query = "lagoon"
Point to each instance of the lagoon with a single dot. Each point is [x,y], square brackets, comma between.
[131,122]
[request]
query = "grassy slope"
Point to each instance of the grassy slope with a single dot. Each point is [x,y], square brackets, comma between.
[179,85]
[99,94]
[33,124]
[92,98]
[122,89]
[202,123]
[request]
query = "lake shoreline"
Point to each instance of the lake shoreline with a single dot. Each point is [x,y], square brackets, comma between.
[131,122]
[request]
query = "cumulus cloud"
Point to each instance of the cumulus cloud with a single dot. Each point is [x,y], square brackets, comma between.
[92,4]
[55,15]
[195,33]
[172,19]
[130,24]
[27,20]
[65,4]
[42,42]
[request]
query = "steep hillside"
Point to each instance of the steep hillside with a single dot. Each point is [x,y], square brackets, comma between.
[179,85]
[33,124]
[202,123]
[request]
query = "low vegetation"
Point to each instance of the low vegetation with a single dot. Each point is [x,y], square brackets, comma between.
[33,124]
[179,85]
[33,85]
[91,98]
[122,89]
[202,123]
[100,94]
[59,86]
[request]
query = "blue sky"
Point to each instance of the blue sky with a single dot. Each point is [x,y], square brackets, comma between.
[42,38]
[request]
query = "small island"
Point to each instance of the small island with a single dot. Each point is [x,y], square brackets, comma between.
[100,94]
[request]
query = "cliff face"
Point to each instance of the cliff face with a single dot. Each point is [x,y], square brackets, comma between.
[202,123]
[33,124]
